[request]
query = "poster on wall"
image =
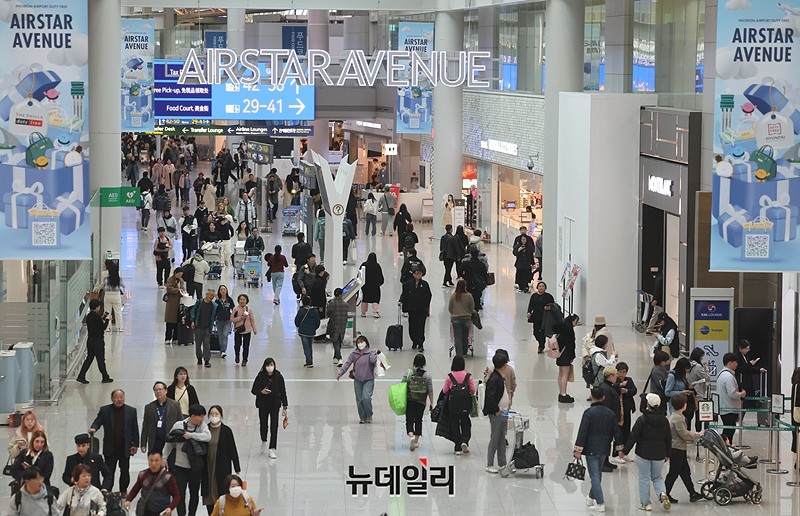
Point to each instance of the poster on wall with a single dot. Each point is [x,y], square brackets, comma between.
[44,132]
[136,71]
[756,167]
[414,104]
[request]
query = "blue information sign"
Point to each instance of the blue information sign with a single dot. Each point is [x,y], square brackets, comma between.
[295,37]
[216,39]
[229,101]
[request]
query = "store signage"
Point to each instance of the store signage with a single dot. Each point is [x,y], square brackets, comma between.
[121,196]
[499,146]
[390,149]
[371,125]
[240,101]
[711,331]
[233,130]
[260,153]
[248,68]
[660,185]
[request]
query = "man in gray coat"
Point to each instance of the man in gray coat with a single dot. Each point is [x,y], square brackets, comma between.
[159,416]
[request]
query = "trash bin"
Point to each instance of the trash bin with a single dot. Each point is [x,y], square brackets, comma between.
[9,373]
[26,368]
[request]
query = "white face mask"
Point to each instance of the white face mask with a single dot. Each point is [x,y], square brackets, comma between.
[215,419]
[270,368]
[235,491]
[362,345]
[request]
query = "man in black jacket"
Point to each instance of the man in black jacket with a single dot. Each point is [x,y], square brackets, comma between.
[301,250]
[145,184]
[93,460]
[254,245]
[448,253]
[120,437]
[598,427]
[96,325]
[416,301]
[612,401]
[411,262]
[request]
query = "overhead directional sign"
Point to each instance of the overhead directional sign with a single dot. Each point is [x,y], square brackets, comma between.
[294,131]
[228,101]
[233,130]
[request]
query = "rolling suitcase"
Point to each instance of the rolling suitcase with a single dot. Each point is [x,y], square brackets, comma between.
[394,335]
[763,417]
[185,333]
[214,341]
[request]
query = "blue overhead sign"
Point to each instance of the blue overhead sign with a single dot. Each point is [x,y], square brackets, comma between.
[216,39]
[229,101]
[295,37]
[293,131]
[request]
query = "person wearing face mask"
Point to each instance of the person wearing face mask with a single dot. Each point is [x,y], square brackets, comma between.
[222,454]
[363,360]
[269,389]
[236,501]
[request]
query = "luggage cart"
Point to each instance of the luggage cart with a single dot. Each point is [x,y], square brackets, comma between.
[470,349]
[643,300]
[252,271]
[525,457]
[239,257]
[212,252]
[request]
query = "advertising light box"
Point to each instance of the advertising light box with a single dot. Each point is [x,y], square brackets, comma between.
[229,101]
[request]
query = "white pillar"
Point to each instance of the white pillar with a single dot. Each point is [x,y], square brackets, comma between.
[488,42]
[104,111]
[619,46]
[447,115]
[318,38]
[564,21]
[235,33]
[530,46]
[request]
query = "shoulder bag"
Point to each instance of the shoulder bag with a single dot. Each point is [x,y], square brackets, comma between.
[8,466]
[141,507]
[352,374]
[643,397]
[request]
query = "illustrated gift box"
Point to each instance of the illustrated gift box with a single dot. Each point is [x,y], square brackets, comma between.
[731,225]
[757,240]
[766,98]
[18,201]
[71,213]
[54,182]
[44,232]
[35,83]
[747,195]
[782,215]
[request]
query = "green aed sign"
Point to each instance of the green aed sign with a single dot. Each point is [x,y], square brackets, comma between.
[120,196]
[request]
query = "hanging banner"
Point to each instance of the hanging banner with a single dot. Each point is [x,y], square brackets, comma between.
[414,104]
[138,52]
[216,39]
[756,178]
[44,133]
[295,37]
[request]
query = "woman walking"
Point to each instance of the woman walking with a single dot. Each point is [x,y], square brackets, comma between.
[372,275]
[460,423]
[461,306]
[370,214]
[82,498]
[113,291]
[536,308]
[475,273]
[678,463]
[420,388]
[653,440]
[269,389]
[182,391]
[175,289]
[363,360]
[221,455]
[24,434]
[307,321]
[401,220]
[224,310]
[566,354]
[209,194]
[244,324]
[234,500]
[277,265]
[524,264]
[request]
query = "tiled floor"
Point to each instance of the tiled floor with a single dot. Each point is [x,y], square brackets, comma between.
[324,437]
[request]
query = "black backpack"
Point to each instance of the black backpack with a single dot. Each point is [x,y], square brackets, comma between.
[52,494]
[188,272]
[588,371]
[408,241]
[459,399]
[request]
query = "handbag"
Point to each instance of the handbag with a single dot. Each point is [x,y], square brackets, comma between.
[643,397]
[398,397]
[352,374]
[37,149]
[576,470]
[571,376]
[552,347]
[8,466]
[476,319]
[165,297]
[489,279]
[764,158]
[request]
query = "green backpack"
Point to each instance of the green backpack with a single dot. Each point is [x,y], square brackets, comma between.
[417,387]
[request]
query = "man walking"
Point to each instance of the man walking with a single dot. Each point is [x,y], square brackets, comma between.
[448,253]
[416,301]
[120,437]
[301,250]
[189,467]
[730,397]
[96,325]
[159,415]
[337,324]
[245,211]
[93,460]
[386,205]
[598,427]
[274,187]
[204,313]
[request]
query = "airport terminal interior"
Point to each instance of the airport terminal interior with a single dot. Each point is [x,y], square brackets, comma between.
[656,143]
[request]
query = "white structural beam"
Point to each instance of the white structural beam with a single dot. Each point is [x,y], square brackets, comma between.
[350,5]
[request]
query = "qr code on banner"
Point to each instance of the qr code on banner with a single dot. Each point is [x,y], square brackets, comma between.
[756,246]
[44,234]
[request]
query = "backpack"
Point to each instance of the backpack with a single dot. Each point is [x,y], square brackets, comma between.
[408,241]
[589,371]
[417,387]
[188,272]
[296,283]
[221,508]
[52,494]
[459,399]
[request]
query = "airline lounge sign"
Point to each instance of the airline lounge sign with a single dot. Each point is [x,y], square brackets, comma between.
[396,68]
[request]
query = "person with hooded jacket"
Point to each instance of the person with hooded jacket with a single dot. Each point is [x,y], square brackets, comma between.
[400,224]
[652,437]
[269,388]
[475,272]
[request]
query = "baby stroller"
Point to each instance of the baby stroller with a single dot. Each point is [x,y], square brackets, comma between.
[730,480]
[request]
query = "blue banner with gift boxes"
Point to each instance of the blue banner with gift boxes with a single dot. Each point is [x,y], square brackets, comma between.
[44,133]
[756,179]
[136,71]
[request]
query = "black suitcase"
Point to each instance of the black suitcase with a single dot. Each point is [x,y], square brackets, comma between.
[185,332]
[394,335]
[214,341]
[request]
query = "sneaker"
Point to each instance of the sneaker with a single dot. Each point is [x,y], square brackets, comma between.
[199,362]
[617,461]
[421,349]
[696,497]
[263,448]
[308,365]
[598,508]
[340,363]
[411,443]
[361,421]
[464,448]
[563,399]
[664,497]
[445,285]
[244,363]
[222,355]
[276,302]
[390,233]
[167,342]
[272,454]
[589,501]
[492,470]
[458,452]
[369,419]
[646,507]
[363,314]
[82,380]
[236,358]
[671,499]
[376,315]
[175,343]
[568,399]
[405,314]
[208,364]
[335,360]
[107,380]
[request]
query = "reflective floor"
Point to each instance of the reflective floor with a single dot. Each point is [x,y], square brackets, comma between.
[324,438]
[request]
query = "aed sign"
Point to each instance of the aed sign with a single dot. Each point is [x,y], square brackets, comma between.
[660,185]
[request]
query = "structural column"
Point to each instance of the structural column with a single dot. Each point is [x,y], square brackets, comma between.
[235,36]
[356,33]
[447,114]
[104,112]
[318,37]
[619,46]
[488,42]
[564,21]
[530,46]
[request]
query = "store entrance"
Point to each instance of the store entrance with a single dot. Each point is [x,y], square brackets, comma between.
[660,263]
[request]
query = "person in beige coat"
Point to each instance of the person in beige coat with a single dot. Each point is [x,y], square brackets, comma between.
[600,328]
[176,287]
